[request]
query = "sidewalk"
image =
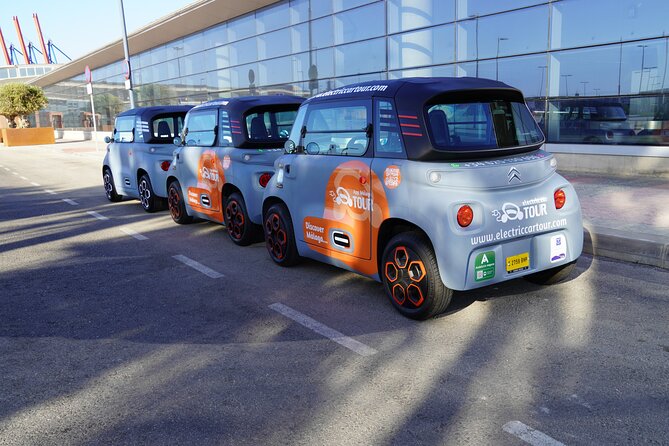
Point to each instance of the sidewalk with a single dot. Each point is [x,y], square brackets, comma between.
[625,218]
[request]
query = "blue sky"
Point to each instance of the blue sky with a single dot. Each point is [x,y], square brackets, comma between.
[77,26]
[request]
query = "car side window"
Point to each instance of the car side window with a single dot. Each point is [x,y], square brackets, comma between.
[124,129]
[341,129]
[201,128]
[388,140]
[226,129]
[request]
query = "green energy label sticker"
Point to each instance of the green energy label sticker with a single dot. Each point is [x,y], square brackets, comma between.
[484,266]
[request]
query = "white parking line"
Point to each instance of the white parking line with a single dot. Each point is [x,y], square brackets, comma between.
[96,215]
[35,184]
[529,435]
[324,330]
[134,234]
[49,191]
[15,173]
[198,266]
[7,169]
[70,202]
[23,178]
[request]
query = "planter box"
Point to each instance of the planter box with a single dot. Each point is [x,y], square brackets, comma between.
[28,137]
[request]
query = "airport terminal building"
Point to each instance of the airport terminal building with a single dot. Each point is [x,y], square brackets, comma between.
[594,72]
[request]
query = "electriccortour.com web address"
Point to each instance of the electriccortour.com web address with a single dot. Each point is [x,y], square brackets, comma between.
[518,231]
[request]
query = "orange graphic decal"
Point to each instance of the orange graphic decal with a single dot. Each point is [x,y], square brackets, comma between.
[355,204]
[392,177]
[206,197]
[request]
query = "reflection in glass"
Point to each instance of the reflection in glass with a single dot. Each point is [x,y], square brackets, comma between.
[244,51]
[578,23]
[273,17]
[428,47]
[643,66]
[569,75]
[469,8]
[359,24]
[322,34]
[526,73]
[404,15]
[274,44]
[435,71]
[524,31]
[362,57]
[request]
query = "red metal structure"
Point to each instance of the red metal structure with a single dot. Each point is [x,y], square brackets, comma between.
[21,41]
[45,53]
[4,49]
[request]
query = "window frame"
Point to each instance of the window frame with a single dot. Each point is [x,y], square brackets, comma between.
[214,130]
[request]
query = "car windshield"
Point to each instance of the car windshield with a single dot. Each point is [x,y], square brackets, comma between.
[489,125]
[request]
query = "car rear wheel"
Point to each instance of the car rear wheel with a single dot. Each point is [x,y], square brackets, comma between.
[240,228]
[411,277]
[110,189]
[279,236]
[553,275]
[176,205]
[148,199]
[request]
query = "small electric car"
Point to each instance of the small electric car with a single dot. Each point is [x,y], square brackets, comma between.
[428,185]
[225,158]
[139,154]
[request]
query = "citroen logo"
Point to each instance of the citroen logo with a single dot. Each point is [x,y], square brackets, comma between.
[513,173]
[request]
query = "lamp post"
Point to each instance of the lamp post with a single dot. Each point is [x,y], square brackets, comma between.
[541,84]
[499,39]
[476,39]
[584,84]
[127,56]
[566,82]
[643,54]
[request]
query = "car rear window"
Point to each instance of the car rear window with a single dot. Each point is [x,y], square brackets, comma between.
[472,126]
[269,125]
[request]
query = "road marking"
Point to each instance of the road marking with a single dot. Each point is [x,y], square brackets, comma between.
[35,184]
[49,191]
[23,178]
[324,330]
[198,266]
[529,435]
[15,173]
[134,234]
[96,215]
[7,169]
[70,202]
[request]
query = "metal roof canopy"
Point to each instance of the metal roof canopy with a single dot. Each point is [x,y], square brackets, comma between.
[191,19]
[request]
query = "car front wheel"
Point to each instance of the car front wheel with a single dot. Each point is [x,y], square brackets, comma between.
[279,236]
[110,189]
[176,205]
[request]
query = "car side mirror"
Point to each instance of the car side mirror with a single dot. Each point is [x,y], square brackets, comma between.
[177,141]
[108,140]
[289,146]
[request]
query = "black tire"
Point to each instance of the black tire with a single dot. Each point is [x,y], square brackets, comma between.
[241,229]
[176,205]
[406,256]
[279,235]
[553,275]
[110,189]
[147,198]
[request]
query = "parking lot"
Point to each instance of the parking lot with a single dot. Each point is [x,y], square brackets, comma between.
[118,326]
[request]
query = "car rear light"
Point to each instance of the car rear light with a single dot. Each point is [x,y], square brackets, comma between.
[264,179]
[165,165]
[465,216]
[560,198]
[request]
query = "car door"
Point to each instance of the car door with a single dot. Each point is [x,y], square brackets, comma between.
[331,189]
[201,175]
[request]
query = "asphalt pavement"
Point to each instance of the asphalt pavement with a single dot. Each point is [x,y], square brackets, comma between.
[121,327]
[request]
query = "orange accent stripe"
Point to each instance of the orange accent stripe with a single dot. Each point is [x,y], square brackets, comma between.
[412,134]
[407,117]
[410,125]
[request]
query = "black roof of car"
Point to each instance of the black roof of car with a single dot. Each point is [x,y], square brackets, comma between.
[414,90]
[241,104]
[148,112]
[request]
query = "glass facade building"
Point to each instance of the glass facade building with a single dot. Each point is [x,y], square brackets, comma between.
[593,71]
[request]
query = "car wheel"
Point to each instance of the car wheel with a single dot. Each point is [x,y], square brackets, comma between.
[279,236]
[553,275]
[411,277]
[110,189]
[176,205]
[240,228]
[149,201]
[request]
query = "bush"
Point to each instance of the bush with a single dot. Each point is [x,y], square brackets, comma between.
[20,100]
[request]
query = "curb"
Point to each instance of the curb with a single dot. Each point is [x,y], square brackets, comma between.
[645,249]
